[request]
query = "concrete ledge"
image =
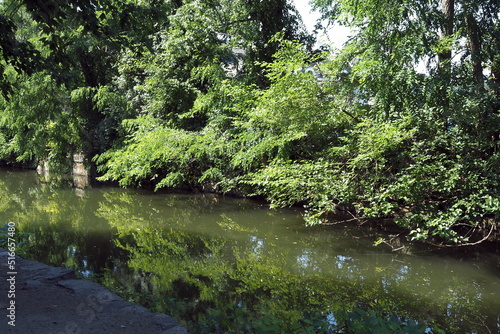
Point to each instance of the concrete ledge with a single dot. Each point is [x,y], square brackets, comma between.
[49,300]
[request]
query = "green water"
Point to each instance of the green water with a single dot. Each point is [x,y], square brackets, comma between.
[184,254]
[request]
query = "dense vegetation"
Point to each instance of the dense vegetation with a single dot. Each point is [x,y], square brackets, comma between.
[402,122]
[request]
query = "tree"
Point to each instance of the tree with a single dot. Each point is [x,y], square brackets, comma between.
[218,94]
[76,44]
[447,175]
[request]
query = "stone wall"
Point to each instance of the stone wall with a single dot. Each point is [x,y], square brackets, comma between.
[79,171]
[79,167]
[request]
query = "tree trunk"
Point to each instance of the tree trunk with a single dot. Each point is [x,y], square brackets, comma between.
[474,41]
[444,58]
[448,10]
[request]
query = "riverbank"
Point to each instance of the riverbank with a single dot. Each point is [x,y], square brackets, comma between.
[40,299]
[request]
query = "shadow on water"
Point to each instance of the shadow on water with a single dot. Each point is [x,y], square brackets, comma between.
[184,254]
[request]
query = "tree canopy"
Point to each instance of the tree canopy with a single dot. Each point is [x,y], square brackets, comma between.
[402,122]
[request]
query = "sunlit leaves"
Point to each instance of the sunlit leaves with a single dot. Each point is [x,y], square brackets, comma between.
[33,124]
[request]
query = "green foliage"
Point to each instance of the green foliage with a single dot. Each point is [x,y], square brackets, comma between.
[372,321]
[234,319]
[219,95]
[175,158]
[32,124]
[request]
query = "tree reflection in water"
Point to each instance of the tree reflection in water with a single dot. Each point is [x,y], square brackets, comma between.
[186,254]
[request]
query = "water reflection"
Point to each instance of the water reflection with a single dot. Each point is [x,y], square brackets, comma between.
[182,254]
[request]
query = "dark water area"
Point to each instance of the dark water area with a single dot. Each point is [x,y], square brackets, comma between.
[184,254]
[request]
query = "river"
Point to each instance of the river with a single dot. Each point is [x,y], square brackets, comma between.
[209,260]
